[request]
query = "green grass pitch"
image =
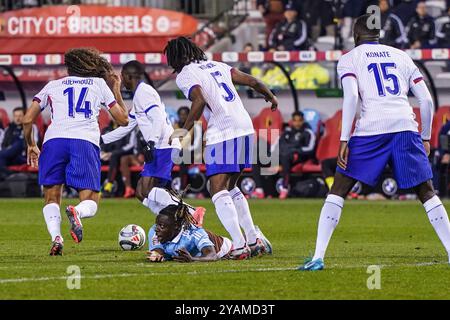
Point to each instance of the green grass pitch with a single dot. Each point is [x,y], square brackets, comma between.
[394,235]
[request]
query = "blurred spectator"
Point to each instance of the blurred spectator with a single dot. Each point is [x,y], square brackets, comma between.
[443,29]
[272,12]
[328,171]
[246,66]
[196,143]
[291,33]
[319,16]
[112,154]
[131,160]
[2,132]
[13,151]
[182,117]
[405,9]
[297,145]
[420,28]
[392,28]
[444,159]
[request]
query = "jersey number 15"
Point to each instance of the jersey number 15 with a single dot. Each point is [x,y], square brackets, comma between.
[379,69]
[82,106]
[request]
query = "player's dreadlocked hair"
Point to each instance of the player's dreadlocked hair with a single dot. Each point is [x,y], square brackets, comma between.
[182,51]
[179,213]
[86,62]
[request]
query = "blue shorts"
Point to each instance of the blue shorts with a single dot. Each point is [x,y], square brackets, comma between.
[73,162]
[229,156]
[161,166]
[403,151]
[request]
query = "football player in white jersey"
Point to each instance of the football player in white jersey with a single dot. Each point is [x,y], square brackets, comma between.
[70,152]
[149,114]
[380,77]
[229,136]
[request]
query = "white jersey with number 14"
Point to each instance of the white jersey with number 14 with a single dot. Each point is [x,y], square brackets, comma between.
[75,103]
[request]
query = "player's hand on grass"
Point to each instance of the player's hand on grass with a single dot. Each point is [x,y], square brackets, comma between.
[343,155]
[155,256]
[183,256]
[427,147]
[33,153]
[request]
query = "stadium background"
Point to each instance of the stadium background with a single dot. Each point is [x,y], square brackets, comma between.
[31,57]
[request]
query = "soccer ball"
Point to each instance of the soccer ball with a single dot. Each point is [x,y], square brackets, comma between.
[131,237]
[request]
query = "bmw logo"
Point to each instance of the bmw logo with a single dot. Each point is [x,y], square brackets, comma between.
[248,185]
[357,188]
[389,187]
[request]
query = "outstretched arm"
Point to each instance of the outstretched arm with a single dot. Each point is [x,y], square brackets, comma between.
[245,79]
[208,255]
[119,132]
[32,149]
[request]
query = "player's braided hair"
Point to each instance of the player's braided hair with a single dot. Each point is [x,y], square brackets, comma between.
[182,51]
[87,62]
[179,213]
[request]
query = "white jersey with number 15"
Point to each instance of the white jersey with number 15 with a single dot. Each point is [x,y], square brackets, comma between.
[384,75]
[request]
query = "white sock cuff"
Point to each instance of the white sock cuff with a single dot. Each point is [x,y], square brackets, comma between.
[235,191]
[91,203]
[432,203]
[334,199]
[87,208]
[52,205]
[220,194]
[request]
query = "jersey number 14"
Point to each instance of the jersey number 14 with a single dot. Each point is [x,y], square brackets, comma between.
[81,106]
[382,69]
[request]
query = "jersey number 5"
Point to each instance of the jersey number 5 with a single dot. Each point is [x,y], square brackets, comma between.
[230,95]
[383,68]
[82,106]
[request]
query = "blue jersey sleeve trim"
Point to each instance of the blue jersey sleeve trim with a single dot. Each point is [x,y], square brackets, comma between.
[150,108]
[348,75]
[190,90]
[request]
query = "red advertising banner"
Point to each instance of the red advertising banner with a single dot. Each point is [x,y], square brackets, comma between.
[111,29]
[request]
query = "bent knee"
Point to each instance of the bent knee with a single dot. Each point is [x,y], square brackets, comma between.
[140,196]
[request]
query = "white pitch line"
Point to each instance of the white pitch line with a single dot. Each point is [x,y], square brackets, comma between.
[147,274]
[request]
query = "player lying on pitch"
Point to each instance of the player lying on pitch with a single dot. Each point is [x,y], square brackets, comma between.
[386,132]
[70,153]
[176,237]
[229,137]
[149,115]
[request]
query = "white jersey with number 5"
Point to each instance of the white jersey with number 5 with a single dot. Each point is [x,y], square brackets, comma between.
[75,103]
[384,75]
[225,113]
